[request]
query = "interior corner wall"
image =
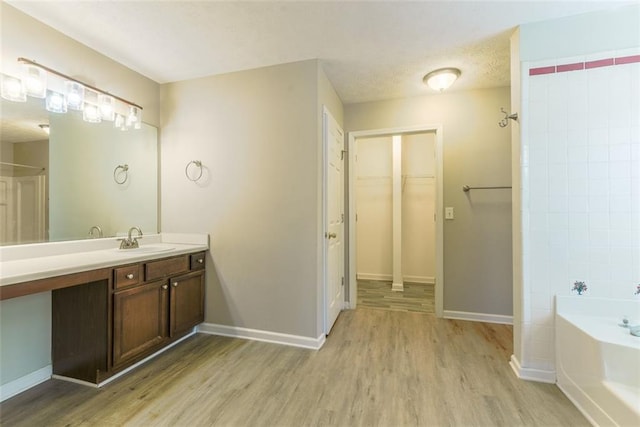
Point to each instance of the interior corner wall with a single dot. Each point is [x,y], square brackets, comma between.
[256,134]
[477,152]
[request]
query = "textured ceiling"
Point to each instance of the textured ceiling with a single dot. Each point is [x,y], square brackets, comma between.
[370,50]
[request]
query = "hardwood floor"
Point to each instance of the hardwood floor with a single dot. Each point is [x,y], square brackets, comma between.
[377,368]
[416,297]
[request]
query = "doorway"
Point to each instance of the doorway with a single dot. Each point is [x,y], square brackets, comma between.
[409,175]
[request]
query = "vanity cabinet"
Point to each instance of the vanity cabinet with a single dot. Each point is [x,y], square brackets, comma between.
[160,307]
[125,314]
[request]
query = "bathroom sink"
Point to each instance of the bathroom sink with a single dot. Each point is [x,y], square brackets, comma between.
[147,249]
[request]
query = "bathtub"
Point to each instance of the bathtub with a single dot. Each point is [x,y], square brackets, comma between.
[597,361]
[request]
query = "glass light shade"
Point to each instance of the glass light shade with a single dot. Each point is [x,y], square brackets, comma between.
[120,122]
[13,89]
[75,95]
[134,117]
[91,113]
[35,81]
[441,79]
[56,102]
[107,106]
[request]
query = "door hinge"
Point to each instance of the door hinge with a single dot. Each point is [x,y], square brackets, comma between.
[342,284]
[342,218]
[342,154]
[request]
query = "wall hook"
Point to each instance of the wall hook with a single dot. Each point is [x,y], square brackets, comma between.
[504,122]
[197,164]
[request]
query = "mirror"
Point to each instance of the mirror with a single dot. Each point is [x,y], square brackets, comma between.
[56,187]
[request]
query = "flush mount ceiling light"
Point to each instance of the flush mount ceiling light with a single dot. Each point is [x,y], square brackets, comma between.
[442,78]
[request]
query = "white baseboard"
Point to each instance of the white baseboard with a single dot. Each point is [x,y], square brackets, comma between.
[374,276]
[21,384]
[388,277]
[478,317]
[420,279]
[265,336]
[47,372]
[530,374]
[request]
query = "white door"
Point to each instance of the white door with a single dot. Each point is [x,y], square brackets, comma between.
[22,209]
[333,138]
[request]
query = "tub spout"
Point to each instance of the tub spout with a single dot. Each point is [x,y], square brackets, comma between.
[635,330]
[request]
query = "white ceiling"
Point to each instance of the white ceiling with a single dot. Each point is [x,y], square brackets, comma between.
[370,50]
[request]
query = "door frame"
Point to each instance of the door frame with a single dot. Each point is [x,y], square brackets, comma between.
[439,209]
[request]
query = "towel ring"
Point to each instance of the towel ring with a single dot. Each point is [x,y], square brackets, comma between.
[198,164]
[124,169]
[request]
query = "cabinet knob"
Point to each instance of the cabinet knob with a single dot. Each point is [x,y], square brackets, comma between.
[165,287]
[130,276]
[200,260]
[175,284]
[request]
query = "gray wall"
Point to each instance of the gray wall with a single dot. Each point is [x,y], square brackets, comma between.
[257,133]
[477,152]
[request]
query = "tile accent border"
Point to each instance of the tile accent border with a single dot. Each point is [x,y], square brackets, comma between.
[607,62]
[264,336]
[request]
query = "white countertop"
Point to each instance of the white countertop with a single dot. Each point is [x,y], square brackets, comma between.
[43,260]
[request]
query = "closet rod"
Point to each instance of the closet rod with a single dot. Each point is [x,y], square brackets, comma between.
[22,166]
[466,188]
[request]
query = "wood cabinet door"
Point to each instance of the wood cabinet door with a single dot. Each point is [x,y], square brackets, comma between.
[140,320]
[187,302]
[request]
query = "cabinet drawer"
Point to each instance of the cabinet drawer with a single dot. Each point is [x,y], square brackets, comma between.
[127,276]
[166,267]
[197,261]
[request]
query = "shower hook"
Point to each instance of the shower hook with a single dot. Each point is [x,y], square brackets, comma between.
[124,170]
[198,164]
[504,122]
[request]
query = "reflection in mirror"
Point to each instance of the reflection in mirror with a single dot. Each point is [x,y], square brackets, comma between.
[57,188]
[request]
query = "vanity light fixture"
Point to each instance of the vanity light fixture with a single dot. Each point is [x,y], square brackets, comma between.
[65,93]
[442,78]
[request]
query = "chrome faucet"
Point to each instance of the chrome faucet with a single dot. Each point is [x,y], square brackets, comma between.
[96,228]
[131,242]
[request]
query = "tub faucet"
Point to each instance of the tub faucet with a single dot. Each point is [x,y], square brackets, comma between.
[96,228]
[131,242]
[635,330]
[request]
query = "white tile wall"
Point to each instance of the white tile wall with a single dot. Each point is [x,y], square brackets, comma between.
[580,191]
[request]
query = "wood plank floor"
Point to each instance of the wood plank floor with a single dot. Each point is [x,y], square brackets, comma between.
[416,297]
[377,368]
